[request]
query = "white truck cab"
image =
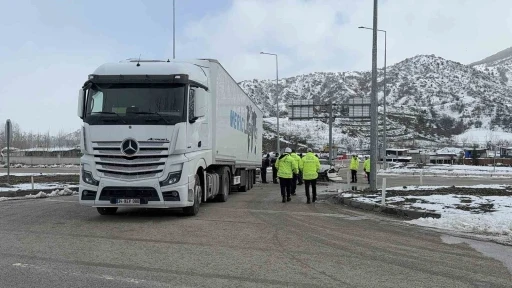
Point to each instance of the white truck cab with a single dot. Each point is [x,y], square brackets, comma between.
[165,134]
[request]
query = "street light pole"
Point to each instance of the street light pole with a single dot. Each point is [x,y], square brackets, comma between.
[384,140]
[373,106]
[277,99]
[173,30]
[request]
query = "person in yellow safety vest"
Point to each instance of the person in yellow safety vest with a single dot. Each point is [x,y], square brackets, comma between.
[366,167]
[295,175]
[354,166]
[310,166]
[286,167]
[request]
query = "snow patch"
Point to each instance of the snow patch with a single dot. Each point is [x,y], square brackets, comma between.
[55,193]
[37,186]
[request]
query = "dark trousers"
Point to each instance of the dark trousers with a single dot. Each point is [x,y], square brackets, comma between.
[299,178]
[354,176]
[294,183]
[263,174]
[286,188]
[274,174]
[368,175]
[313,187]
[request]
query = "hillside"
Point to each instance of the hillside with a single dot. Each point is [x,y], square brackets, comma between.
[497,65]
[430,99]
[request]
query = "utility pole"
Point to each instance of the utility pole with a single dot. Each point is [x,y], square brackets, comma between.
[373,105]
[330,134]
[384,140]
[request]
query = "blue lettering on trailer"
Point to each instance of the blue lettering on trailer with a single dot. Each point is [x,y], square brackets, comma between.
[236,121]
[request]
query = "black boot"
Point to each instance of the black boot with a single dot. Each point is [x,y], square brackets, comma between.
[309,201]
[284,200]
[289,199]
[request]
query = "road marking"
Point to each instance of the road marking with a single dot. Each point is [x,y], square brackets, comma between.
[105,277]
[304,213]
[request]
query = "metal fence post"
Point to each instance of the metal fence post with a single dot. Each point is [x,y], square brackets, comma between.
[8,128]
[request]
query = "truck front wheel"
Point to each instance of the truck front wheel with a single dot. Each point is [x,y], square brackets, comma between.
[224,185]
[198,192]
[107,210]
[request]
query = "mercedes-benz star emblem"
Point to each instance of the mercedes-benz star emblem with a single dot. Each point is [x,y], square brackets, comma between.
[129,147]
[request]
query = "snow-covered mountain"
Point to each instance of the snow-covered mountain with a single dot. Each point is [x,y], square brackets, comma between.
[429,98]
[497,65]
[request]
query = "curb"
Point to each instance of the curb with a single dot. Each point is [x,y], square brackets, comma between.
[21,193]
[390,210]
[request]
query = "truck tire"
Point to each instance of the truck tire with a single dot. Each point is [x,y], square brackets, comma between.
[107,210]
[251,179]
[198,191]
[224,185]
[245,187]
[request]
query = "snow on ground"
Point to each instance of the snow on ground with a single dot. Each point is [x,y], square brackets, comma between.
[37,186]
[479,186]
[450,150]
[480,135]
[43,166]
[450,170]
[484,215]
[55,193]
[38,174]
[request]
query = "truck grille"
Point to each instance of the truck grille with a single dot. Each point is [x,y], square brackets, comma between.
[147,193]
[148,162]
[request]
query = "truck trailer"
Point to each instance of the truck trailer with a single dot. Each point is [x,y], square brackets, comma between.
[165,134]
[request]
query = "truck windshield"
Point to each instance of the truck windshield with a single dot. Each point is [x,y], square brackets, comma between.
[137,104]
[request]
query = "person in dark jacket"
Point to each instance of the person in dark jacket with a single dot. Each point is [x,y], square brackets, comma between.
[264,165]
[274,169]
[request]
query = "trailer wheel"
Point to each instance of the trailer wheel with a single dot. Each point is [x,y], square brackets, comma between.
[245,187]
[107,210]
[224,186]
[251,179]
[198,192]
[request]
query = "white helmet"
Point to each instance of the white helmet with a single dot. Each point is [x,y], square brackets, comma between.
[287,150]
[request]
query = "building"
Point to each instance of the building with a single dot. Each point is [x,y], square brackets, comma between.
[480,153]
[48,152]
[506,152]
[448,155]
[398,155]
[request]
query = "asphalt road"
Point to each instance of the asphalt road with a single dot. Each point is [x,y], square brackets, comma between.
[252,240]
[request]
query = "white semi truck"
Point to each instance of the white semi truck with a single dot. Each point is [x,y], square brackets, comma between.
[166,134]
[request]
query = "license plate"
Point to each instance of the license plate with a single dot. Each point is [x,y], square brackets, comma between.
[128,201]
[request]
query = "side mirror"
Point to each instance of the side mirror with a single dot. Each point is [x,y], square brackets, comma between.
[81,97]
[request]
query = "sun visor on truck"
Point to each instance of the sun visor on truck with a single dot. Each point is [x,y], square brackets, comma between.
[112,79]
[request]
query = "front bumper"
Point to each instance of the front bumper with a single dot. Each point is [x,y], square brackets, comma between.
[149,192]
[182,190]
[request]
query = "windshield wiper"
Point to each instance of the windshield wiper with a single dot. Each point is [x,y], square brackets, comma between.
[152,113]
[111,113]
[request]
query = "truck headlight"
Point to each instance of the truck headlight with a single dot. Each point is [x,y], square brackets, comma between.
[172,178]
[87,177]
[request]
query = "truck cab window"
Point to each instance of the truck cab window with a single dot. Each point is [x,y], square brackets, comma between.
[136,103]
[96,101]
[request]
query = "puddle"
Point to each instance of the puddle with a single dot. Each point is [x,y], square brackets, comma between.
[495,251]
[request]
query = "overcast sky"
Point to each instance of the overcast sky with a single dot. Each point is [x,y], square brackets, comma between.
[49,46]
